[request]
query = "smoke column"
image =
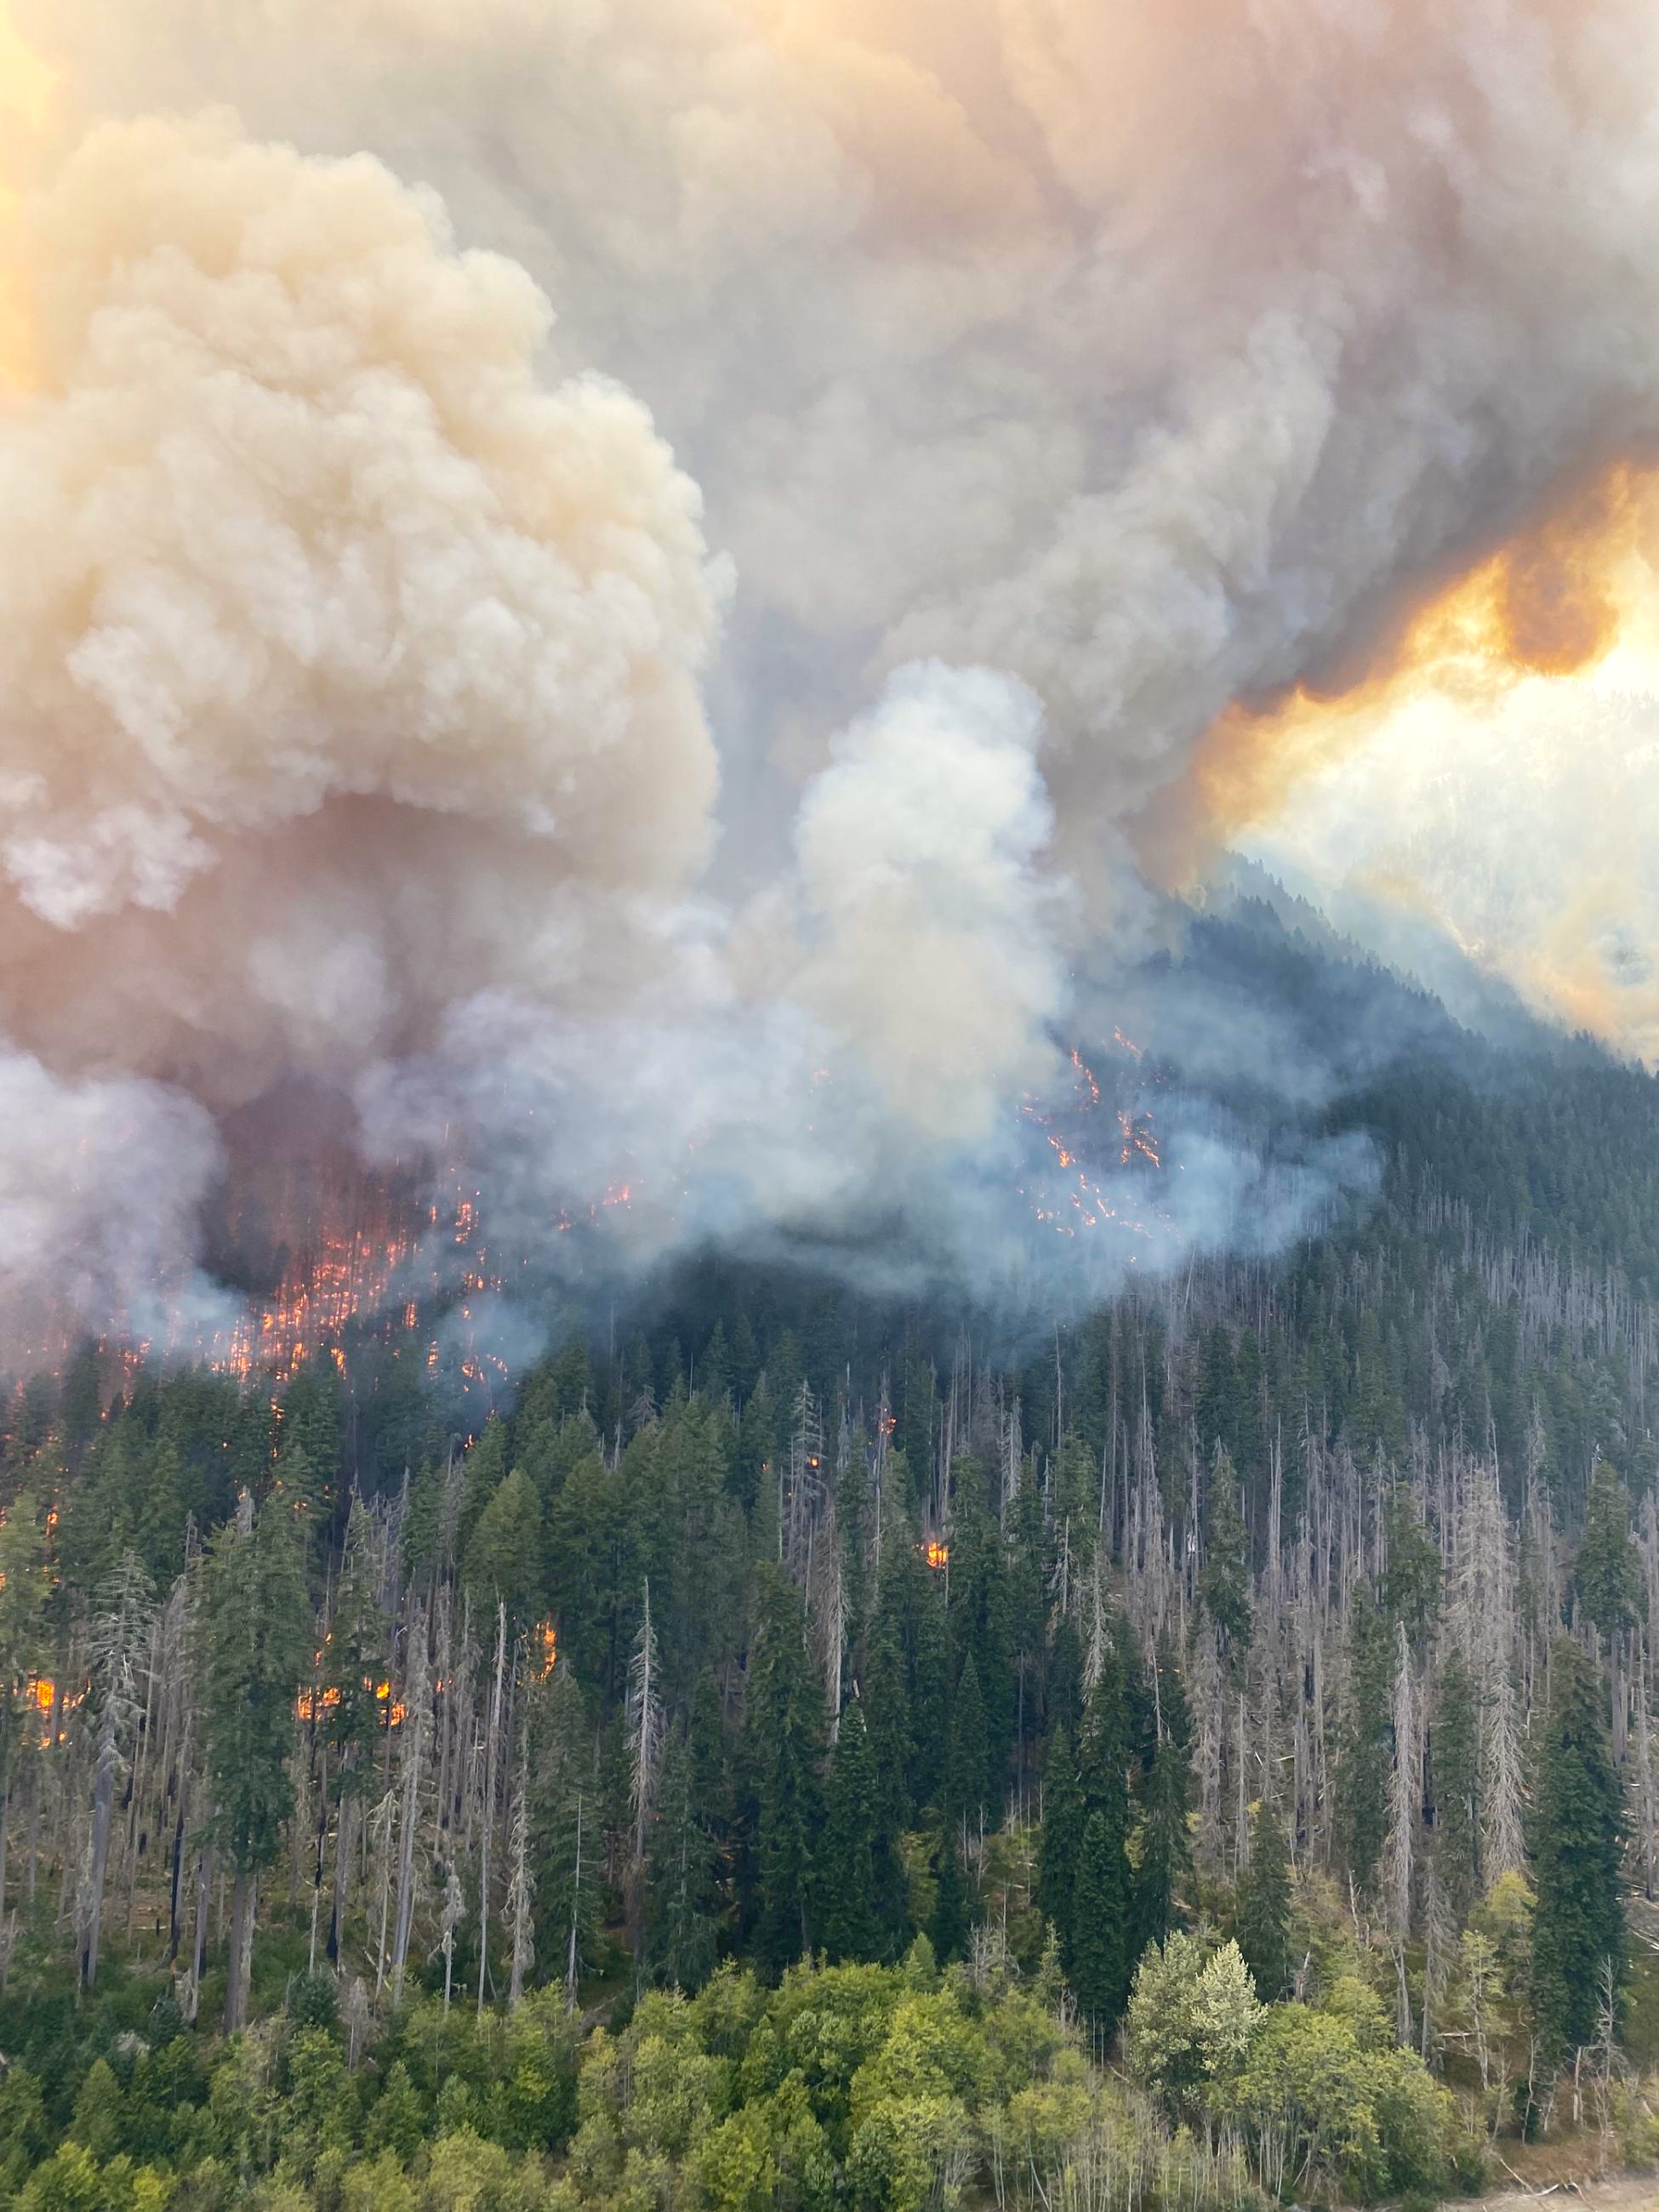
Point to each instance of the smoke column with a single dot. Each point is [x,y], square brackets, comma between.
[364,641]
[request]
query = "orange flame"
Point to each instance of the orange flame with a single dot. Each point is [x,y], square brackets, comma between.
[1553,599]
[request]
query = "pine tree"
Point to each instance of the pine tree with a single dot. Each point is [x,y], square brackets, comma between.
[23,1593]
[255,1652]
[1608,1575]
[1223,1586]
[1365,1760]
[1577,1844]
[949,1928]
[1099,1964]
[1262,1922]
[1064,1816]
[681,1888]
[784,1732]
[1411,1582]
[563,1800]
[848,1891]
[352,1676]
[1455,1745]
[1166,1854]
[887,1718]
[965,1768]
[504,1554]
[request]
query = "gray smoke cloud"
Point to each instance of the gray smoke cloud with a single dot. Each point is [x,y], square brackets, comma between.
[1069,373]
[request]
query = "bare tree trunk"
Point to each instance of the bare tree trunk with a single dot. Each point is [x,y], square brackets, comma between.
[491,1739]
[103,1799]
[415,1722]
[235,2003]
[203,1906]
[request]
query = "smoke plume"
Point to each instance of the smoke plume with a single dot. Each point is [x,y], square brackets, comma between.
[1077,384]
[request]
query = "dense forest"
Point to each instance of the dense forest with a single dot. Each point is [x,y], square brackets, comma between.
[809,1751]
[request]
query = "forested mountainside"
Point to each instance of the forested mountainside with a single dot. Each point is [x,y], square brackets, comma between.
[802,1752]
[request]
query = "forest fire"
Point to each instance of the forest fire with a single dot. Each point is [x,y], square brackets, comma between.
[1078,1199]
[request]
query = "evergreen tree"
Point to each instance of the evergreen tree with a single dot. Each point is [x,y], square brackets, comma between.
[784,1732]
[1223,1586]
[1262,1922]
[1365,1759]
[1065,1815]
[949,1930]
[929,1684]
[504,1553]
[23,1593]
[354,1670]
[1099,1961]
[1577,1843]
[566,1806]
[1411,1582]
[681,1889]
[1456,1774]
[255,1652]
[965,1771]
[887,1717]
[1608,1575]
[848,1919]
[1166,1855]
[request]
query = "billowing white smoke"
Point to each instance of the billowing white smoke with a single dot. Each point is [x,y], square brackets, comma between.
[1142,351]
[348,664]
[99,1187]
[853,1040]
[349,728]
[930,935]
[353,630]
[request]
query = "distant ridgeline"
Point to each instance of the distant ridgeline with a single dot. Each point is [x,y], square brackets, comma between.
[1209,1747]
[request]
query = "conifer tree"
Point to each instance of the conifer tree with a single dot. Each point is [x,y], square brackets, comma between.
[784,1732]
[1099,1965]
[683,1896]
[1165,1842]
[1607,1575]
[1456,1746]
[848,1924]
[929,1685]
[23,1594]
[1262,1924]
[352,1673]
[949,1928]
[1065,1815]
[1224,1584]
[563,1801]
[1365,1762]
[504,1553]
[1577,1843]
[255,1651]
[965,1771]
[887,1718]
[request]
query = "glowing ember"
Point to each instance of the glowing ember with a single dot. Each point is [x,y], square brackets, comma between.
[1076,1198]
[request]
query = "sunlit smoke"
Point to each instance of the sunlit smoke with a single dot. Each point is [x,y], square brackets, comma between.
[1107,423]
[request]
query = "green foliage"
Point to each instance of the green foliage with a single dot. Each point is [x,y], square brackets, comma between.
[1190,2024]
[1261,1923]
[1577,1843]
[1607,1575]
